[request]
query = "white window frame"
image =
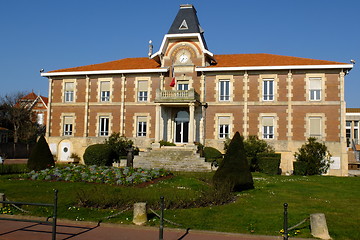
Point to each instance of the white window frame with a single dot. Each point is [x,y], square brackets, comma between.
[105,96]
[224,90]
[69,94]
[104,126]
[141,130]
[182,85]
[268,89]
[315,94]
[142,96]
[68,129]
[224,131]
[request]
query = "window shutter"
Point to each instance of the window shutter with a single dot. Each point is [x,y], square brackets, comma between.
[68,120]
[224,120]
[69,86]
[143,86]
[105,86]
[142,119]
[315,126]
[268,121]
[315,83]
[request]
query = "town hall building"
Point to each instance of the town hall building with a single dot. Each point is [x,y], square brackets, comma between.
[184,93]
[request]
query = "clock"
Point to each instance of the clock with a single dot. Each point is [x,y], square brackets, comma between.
[183,58]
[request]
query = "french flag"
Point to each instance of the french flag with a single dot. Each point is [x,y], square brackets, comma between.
[172,84]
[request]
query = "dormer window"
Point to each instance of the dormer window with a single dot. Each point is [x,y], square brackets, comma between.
[183,25]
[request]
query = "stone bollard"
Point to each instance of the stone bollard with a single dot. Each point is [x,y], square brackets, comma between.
[140,213]
[318,226]
[2,198]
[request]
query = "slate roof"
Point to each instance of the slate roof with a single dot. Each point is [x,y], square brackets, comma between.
[187,12]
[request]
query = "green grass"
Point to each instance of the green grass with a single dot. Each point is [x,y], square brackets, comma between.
[258,211]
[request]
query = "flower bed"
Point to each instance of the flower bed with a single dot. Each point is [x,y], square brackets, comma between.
[98,174]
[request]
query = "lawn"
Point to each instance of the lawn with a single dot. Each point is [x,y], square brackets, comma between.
[258,211]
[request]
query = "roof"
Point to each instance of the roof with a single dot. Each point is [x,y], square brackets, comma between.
[186,21]
[32,97]
[121,64]
[352,110]
[223,61]
[264,59]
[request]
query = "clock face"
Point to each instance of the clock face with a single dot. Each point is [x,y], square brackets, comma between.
[183,58]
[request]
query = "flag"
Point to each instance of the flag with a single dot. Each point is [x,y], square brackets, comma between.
[172,84]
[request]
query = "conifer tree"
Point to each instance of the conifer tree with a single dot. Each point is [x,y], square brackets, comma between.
[41,156]
[234,171]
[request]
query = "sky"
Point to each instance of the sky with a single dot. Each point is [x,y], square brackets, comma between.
[50,34]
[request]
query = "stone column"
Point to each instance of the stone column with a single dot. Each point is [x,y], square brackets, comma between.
[157,123]
[318,226]
[245,111]
[86,115]
[122,107]
[2,198]
[191,123]
[47,134]
[140,214]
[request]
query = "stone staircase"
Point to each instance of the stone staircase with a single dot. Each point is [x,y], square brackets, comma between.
[172,158]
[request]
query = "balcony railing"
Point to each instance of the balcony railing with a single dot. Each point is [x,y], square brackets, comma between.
[176,96]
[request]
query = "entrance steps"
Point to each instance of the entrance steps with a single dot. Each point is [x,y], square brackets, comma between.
[173,159]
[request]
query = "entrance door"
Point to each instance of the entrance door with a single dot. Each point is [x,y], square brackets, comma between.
[64,151]
[182,127]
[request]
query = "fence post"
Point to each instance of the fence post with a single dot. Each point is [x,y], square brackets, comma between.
[2,198]
[161,230]
[286,235]
[54,215]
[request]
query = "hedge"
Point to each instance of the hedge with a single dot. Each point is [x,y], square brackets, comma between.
[300,168]
[99,154]
[269,163]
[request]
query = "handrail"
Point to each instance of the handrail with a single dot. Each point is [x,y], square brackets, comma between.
[54,217]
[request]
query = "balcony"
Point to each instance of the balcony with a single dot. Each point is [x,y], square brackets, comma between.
[176,96]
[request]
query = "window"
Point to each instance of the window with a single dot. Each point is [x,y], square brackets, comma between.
[141,126]
[142,91]
[268,89]
[69,92]
[182,85]
[224,127]
[68,126]
[224,90]
[315,127]
[40,118]
[268,127]
[315,89]
[103,126]
[105,91]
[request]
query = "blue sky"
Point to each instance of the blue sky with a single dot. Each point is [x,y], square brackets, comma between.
[68,33]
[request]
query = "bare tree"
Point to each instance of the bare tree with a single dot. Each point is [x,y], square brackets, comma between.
[16,116]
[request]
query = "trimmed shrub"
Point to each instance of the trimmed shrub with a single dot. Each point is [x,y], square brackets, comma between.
[299,168]
[99,154]
[13,169]
[41,156]
[166,143]
[315,155]
[253,146]
[234,171]
[269,163]
[212,154]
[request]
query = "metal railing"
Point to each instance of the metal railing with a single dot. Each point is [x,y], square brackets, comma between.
[54,216]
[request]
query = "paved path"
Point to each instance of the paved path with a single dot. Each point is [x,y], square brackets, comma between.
[11,230]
